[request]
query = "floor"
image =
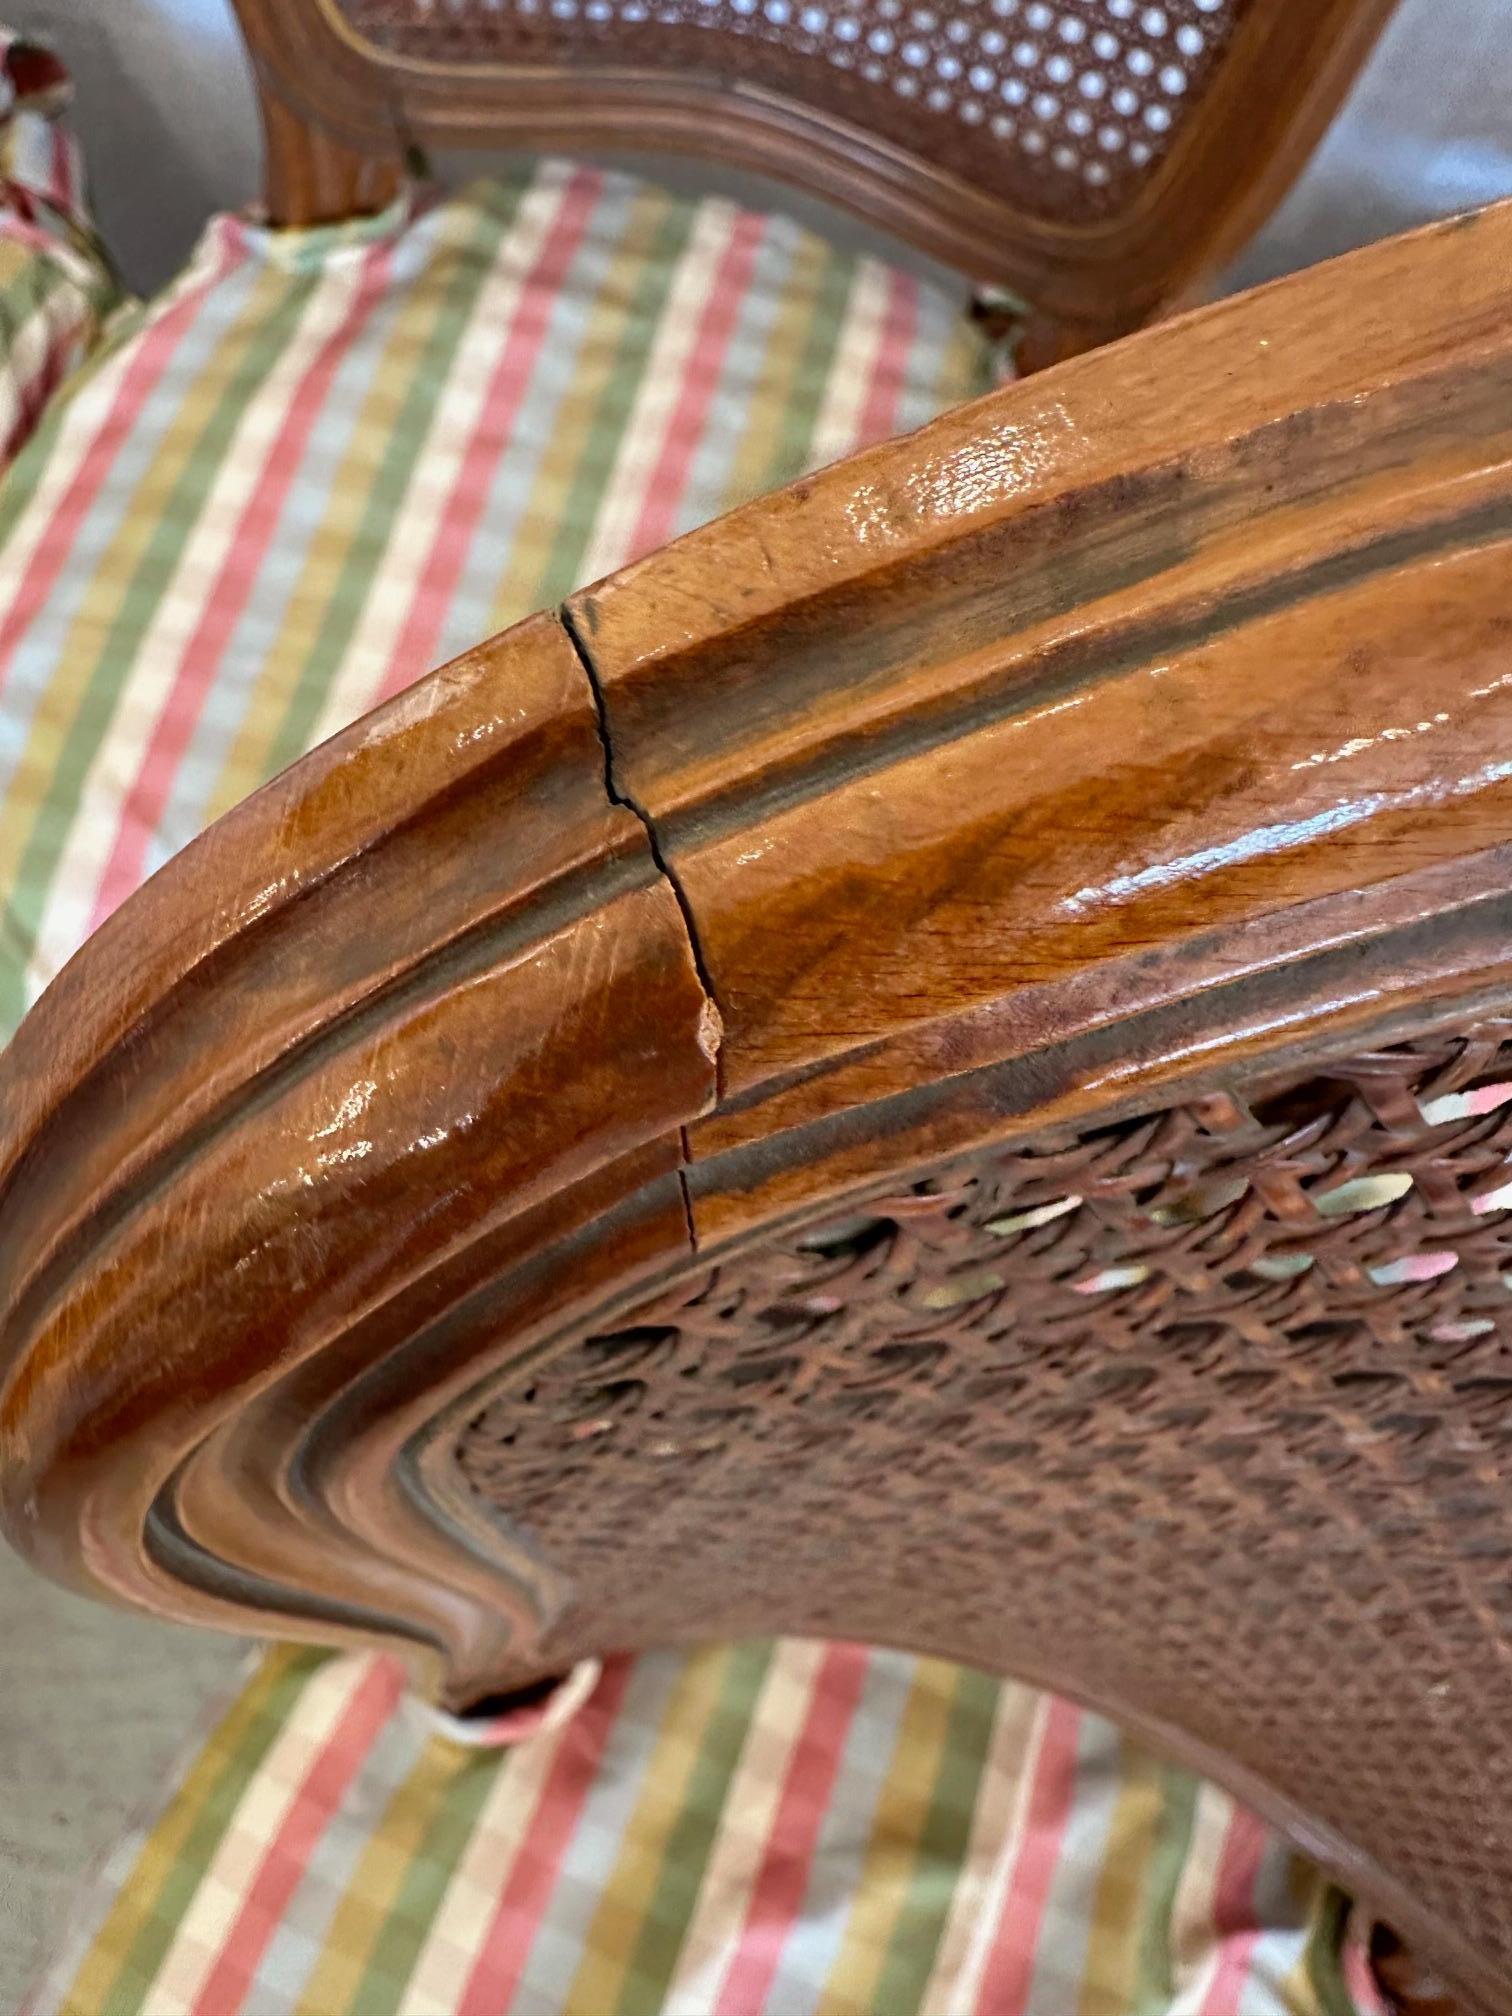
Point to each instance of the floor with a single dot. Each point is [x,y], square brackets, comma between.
[94,1706]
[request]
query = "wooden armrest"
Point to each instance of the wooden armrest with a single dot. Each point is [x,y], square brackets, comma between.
[427,1207]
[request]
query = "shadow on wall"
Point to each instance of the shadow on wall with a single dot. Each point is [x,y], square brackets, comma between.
[166,112]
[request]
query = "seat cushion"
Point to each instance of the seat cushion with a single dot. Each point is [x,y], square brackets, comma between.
[56,286]
[325,461]
[788,1829]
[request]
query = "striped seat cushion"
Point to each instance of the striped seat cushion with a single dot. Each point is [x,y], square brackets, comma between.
[318,465]
[787,1829]
[56,287]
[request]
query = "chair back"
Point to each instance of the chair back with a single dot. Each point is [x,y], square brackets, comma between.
[929,1063]
[1091,156]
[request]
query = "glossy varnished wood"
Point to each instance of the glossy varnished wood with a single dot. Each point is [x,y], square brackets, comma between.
[377,957]
[1138,725]
[1086,683]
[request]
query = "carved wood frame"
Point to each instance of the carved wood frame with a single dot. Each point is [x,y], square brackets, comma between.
[739,886]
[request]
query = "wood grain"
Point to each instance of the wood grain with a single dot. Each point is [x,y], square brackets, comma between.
[1038,720]
[1138,730]
[350,991]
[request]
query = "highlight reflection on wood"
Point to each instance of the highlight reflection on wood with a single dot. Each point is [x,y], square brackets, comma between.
[929,1061]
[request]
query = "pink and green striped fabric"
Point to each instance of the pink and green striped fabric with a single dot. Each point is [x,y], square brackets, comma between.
[318,465]
[768,1829]
[56,287]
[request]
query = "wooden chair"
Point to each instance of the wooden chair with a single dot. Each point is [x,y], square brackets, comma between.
[929,1063]
[1093,158]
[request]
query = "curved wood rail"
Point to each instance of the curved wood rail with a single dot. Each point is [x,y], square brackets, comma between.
[1142,725]
[439,908]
